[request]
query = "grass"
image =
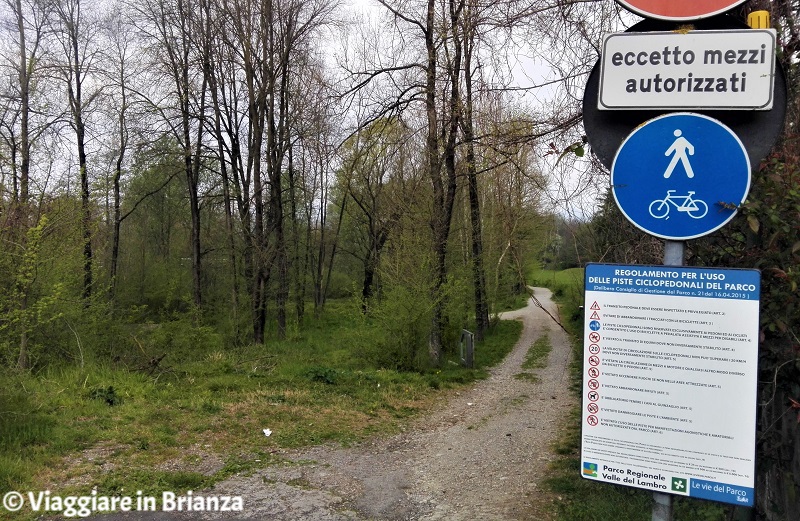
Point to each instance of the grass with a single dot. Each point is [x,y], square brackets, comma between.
[582,499]
[200,416]
[535,358]
[513,301]
[564,284]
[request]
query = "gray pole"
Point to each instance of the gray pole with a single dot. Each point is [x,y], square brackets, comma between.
[674,252]
[662,507]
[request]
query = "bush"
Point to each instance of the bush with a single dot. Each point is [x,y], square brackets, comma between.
[403,319]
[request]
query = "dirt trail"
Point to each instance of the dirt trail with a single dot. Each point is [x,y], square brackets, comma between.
[478,457]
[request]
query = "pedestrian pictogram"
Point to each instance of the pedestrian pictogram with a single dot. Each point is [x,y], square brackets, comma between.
[679,150]
[594,372]
[594,325]
[592,420]
[593,408]
[680,176]
[594,337]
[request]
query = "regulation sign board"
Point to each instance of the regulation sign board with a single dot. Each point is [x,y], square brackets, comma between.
[733,69]
[670,377]
[680,176]
[679,9]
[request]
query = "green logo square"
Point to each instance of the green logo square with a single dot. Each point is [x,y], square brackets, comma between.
[679,485]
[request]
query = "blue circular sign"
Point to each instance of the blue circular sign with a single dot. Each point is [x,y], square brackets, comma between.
[680,176]
[594,325]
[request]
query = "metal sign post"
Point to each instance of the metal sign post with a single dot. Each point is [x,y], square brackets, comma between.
[674,255]
[677,176]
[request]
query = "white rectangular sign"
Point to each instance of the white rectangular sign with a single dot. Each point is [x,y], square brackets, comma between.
[732,69]
[669,383]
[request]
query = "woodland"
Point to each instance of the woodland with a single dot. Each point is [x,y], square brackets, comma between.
[191,175]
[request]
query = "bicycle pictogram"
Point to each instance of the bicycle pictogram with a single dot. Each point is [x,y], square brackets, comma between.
[694,208]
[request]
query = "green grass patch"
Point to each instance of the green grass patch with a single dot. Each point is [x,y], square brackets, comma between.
[513,301]
[530,377]
[535,358]
[157,427]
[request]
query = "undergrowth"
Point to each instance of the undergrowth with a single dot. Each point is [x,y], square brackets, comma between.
[148,422]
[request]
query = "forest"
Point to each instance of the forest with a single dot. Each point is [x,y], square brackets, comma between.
[185,177]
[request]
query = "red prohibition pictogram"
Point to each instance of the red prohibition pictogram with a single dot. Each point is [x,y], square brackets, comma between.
[593,384]
[593,408]
[592,420]
[594,336]
[594,360]
[593,396]
[594,349]
[594,372]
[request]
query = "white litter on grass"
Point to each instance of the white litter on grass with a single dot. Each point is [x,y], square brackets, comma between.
[470,403]
[267,432]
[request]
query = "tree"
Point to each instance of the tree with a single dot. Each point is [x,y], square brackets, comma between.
[33,19]
[265,41]
[181,32]
[373,178]
[117,31]
[75,32]
[21,130]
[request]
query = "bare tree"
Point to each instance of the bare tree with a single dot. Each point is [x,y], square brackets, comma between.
[75,32]
[178,28]
[30,20]
[20,132]
[265,40]
[118,70]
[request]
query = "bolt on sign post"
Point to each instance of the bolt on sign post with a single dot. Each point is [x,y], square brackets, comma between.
[679,9]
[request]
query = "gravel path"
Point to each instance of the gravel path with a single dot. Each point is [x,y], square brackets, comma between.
[478,457]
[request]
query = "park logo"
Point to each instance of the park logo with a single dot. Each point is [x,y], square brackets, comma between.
[590,469]
[679,485]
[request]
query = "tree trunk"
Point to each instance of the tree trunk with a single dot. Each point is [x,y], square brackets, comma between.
[297,274]
[117,203]
[434,172]
[478,272]
[71,21]
[25,90]
[444,187]
[23,362]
